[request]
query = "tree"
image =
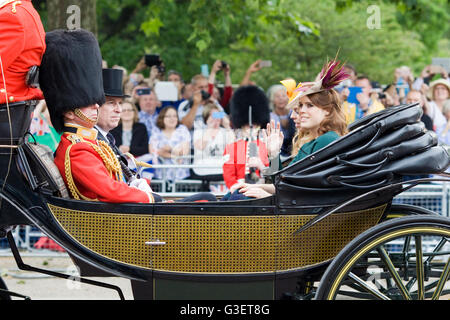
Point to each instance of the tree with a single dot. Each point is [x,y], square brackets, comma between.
[296,35]
[427,18]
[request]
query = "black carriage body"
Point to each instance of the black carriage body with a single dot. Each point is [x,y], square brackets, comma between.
[249,249]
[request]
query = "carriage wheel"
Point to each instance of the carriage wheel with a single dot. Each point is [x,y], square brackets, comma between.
[405,258]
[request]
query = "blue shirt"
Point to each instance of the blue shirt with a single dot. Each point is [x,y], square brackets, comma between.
[149,120]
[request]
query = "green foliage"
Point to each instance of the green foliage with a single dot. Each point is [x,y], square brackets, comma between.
[428,18]
[296,35]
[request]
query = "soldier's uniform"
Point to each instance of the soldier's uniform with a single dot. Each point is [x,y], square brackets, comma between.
[91,170]
[71,78]
[22,45]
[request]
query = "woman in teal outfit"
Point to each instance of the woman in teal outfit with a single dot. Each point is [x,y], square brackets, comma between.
[318,117]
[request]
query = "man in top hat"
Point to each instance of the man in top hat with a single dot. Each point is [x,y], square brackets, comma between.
[72,83]
[109,117]
[247,156]
[109,113]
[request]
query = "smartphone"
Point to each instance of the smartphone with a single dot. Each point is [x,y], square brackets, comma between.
[152,60]
[352,96]
[443,62]
[143,91]
[166,91]
[218,115]
[434,69]
[265,63]
[204,70]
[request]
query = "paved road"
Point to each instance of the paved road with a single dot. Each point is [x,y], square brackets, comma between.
[43,287]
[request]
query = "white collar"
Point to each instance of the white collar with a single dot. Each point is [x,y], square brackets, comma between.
[103,132]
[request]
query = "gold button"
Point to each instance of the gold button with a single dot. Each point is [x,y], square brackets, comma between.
[11,99]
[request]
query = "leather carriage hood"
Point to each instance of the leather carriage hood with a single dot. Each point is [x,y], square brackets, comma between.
[378,151]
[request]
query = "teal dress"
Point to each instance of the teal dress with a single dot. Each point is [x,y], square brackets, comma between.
[314,145]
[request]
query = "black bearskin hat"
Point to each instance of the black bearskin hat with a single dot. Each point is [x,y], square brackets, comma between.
[70,75]
[247,96]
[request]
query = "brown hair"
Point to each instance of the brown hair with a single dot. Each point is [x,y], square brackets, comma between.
[135,110]
[207,110]
[162,114]
[327,100]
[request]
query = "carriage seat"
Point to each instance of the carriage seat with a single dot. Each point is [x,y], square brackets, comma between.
[37,164]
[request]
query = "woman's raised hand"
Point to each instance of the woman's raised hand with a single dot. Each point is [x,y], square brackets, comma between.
[274,138]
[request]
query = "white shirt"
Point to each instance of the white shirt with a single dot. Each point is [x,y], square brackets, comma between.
[184,108]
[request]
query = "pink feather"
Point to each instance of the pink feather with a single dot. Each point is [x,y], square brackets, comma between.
[332,74]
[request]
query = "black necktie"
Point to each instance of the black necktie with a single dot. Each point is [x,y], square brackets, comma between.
[111,139]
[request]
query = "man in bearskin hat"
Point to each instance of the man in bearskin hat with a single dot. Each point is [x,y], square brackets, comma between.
[71,80]
[247,156]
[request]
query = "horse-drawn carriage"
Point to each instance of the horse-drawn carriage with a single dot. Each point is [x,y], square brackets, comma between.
[331,230]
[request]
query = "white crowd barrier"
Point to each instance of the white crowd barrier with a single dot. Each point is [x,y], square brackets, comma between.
[435,197]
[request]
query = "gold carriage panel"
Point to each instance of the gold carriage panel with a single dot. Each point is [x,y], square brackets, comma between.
[212,243]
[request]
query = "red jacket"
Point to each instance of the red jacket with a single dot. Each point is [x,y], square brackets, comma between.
[90,175]
[22,45]
[234,167]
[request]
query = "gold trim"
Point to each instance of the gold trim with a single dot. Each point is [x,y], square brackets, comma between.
[371,245]
[83,117]
[83,132]
[107,155]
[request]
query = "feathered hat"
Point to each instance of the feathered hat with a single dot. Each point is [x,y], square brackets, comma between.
[330,76]
[242,99]
[70,75]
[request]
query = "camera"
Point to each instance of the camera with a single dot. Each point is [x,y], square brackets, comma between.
[143,91]
[224,65]
[205,95]
[155,60]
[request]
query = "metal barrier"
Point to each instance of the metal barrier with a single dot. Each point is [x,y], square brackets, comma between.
[434,197]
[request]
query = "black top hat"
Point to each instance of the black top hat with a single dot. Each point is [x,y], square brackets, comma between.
[112,83]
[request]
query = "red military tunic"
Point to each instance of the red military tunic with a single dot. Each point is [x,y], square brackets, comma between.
[22,45]
[234,167]
[90,175]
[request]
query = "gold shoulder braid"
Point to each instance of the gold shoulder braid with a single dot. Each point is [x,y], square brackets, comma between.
[107,155]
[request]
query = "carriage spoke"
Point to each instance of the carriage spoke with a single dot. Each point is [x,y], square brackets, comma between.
[430,257]
[405,251]
[442,280]
[387,261]
[419,268]
[366,287]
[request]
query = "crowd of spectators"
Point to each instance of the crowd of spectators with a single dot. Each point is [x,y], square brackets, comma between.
[193,125]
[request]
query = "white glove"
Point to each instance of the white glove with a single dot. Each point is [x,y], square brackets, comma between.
[141,184]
